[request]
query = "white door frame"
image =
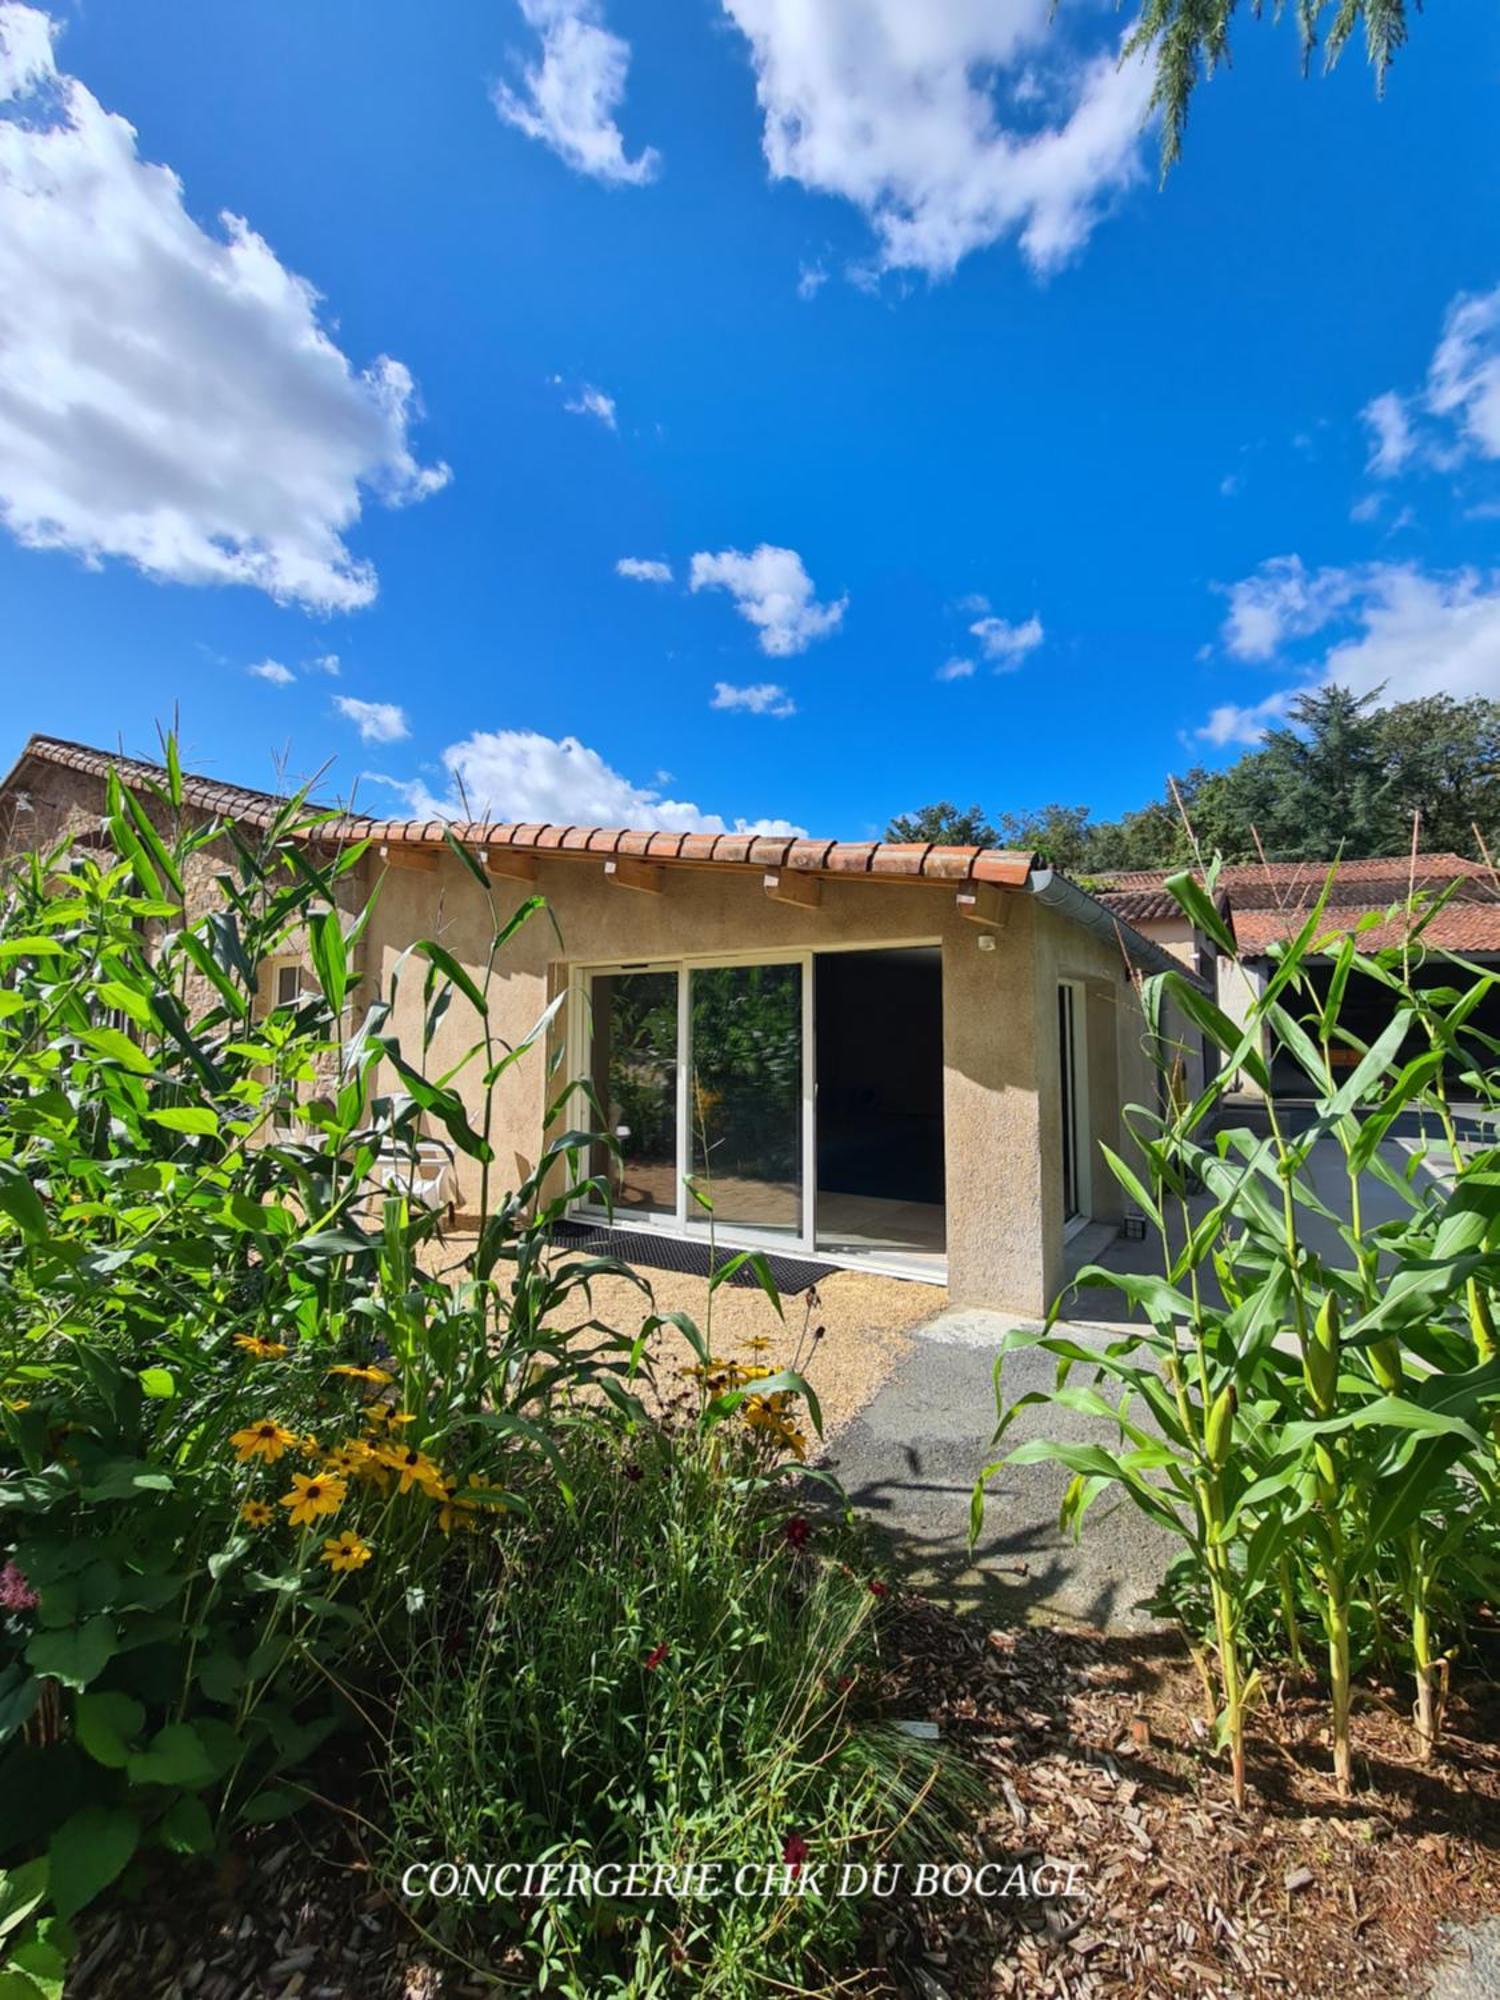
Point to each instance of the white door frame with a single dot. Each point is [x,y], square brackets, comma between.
[682,1221]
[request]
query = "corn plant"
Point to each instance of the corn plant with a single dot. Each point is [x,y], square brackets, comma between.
[1311,1398]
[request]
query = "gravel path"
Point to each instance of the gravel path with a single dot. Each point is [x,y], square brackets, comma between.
[1473,1972]
[909,1460]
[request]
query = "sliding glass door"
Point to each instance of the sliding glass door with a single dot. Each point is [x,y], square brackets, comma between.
[746,1056]
[633,1069]
[704,1071]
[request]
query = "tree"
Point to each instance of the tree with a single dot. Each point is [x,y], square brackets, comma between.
[1329,785]
[1342,776]
[1061,835]
[946,824]
[1189,40]
[1443,757]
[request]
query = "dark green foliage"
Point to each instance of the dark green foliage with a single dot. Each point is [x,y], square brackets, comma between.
[1189,40]
[1341,777]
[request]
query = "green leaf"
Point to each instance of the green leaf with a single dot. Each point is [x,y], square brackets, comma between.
[176,1756]
[22,1890]
[75,1655]
[187,1828]
[158,1383]
[20,1200]
[116,1046]
[450,968]
[330,957]
[192,1118]
[1193,899]
[106,1724]
[271,1804]
[38,1968]
[87,1852]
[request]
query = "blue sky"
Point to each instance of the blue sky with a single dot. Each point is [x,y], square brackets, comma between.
[982,468]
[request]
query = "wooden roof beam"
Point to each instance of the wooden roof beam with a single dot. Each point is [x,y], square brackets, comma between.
[646,876]
[784,885]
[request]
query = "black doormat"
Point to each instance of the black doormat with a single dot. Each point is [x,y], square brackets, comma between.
[673,1253]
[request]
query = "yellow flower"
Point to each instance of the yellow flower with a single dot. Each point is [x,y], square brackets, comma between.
[263,1350]
[453,1513]
[346,1551]
[267,1440]
[352,1374]
[348,1460]
[381,1417]
[312,1495]
[758,1343]
[256,1514]
[413,1468]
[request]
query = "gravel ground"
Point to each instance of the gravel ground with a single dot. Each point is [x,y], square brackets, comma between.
[864,1321]
[1473,1972]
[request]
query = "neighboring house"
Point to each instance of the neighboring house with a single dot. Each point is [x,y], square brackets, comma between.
[902,1057]
[1267,903]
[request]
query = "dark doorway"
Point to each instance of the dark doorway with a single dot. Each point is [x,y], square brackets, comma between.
[879,1043]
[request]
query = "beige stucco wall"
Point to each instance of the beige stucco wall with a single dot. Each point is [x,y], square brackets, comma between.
[1001,1092]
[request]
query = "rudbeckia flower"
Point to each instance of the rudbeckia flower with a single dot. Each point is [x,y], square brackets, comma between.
[353,1374]
[256,1514]
[346,1551]
[262,1349]
[413,1468]
[349,1459]
[312,1495]
[267,1440]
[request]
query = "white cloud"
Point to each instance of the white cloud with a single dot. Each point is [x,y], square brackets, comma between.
[1463,383]
[1395,627]
[773,591]
[587,401]
[1282,601]
[518,775]
[1231,724]
[1421,633]
[1391,439]
[764,698]
[955,670]
[1456,413]
[1231,484]
[644,569]
[376,721]
[811,278]
[1007,645]
[169,395]
[893,106]
[570,98]
[322,663]
[272,671]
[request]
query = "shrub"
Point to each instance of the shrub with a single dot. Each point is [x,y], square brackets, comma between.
[240,1422]
[665,1666]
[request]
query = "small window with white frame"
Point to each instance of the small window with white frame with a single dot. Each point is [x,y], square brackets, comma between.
[289,983]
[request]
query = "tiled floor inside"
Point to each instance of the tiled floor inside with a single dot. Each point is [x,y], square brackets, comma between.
[908,1233]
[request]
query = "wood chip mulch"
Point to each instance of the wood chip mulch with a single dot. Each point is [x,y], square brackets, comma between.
[1096,1751]
[1092,1749]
